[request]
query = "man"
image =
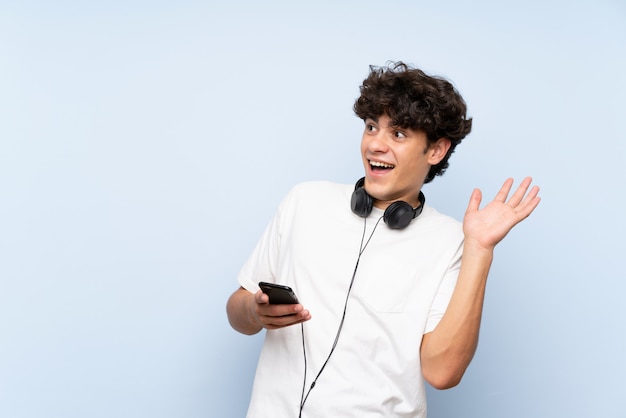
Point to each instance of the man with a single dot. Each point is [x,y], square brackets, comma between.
[390,290]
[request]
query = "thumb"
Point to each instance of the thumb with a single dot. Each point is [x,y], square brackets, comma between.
[474,202]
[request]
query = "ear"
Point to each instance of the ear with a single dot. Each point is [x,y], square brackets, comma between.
[438,150]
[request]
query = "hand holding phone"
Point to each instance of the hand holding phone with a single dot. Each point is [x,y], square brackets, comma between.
[283,309]
[279,294]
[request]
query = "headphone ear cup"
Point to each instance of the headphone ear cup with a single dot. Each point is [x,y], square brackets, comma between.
[361,202]
[398,215]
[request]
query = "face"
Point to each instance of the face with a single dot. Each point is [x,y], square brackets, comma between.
[396,161]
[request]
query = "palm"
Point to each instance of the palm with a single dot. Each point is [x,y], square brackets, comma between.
[489,225]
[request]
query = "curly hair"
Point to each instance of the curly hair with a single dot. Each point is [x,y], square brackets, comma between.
[414,100]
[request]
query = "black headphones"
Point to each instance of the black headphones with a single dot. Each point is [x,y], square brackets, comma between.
[398,215]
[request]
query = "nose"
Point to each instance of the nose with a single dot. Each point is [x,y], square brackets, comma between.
[376,142]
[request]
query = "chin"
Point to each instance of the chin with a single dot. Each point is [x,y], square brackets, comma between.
[378,193]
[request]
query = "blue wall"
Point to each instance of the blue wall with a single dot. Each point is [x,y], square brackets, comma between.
[145,145]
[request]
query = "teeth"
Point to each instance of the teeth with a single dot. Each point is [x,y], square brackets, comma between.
[379,164]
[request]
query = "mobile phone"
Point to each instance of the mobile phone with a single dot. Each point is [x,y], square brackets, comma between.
[279,294]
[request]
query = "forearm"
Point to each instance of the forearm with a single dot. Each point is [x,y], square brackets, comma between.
[241,314]
[448,350]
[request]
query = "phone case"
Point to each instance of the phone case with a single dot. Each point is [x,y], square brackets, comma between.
[279,294]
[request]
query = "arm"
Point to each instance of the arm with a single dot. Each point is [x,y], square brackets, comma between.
[250,312]
[447,351]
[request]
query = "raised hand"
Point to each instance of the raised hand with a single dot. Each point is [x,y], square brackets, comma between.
[486,227]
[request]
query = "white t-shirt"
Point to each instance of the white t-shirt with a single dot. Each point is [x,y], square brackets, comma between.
[402,287]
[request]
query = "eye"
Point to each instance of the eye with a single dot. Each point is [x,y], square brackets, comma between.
[399,135]
[370,126]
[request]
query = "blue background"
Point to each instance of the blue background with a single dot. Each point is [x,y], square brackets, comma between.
[145,145]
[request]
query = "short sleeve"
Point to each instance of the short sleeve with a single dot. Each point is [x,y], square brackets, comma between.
[263,261]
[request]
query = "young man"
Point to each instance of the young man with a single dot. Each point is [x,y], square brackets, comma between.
[390,290]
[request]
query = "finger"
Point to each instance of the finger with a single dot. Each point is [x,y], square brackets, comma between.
[520,192]
[278,326]
[273,322]
[275,310]
[504,190]
[531,195]
[474,202]
[261,298]
[530,202]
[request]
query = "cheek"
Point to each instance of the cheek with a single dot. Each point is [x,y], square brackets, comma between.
[415,163]
[363,146]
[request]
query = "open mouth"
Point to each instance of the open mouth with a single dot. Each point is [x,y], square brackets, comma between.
[378,166]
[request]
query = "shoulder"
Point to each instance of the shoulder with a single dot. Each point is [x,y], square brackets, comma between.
[319,192]
[316,187]
[434,216]
[431,219]
[315,204]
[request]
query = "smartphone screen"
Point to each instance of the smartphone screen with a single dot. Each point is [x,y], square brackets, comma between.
[279,294]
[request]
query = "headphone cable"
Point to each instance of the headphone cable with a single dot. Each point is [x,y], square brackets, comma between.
[303,398]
